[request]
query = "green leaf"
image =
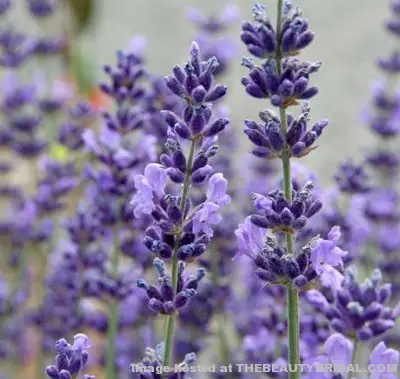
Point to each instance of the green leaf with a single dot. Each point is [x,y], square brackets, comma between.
[83,12]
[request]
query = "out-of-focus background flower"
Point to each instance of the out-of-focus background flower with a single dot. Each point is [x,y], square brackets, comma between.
[349,37]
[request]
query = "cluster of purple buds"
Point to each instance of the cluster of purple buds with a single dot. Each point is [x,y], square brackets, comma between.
[194,84]
[16,48]
[70,133]
[352,178]
[277,213]
[283,89]
[70,359]
[125,78]
[162,298]
[152,364]
[358,310]
[260,36]
[270,140]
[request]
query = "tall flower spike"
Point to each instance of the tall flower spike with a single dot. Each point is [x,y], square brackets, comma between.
[285,80]
[183,226]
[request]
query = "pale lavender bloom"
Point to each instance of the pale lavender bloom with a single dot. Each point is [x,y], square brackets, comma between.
[317,300]
[331,278]
[381,355]
[250,238]
[152,182]
[216,191]
[325,252]
[81,342]
[205,217]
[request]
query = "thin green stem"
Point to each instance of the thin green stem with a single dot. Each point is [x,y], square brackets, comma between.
[171,319]
[353,357]
[292,293]
[113,317]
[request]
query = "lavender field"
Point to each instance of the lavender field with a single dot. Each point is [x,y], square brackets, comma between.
[195,190]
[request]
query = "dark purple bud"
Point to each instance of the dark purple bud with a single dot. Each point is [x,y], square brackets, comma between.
[295,132]
[302,261]
[199,249]
[264,275]
[276,138]
[257,51]
[197,123]
[286,88]
[216,93]
[277,100]
[314,208]
[64,375]
[261,261]
[52,372]
[309,93]
[256,137]
[169,307]
[310,273]
[200,175]
[338,325]
[276,265]
[216,127]
[298,149]
[166,226]
[156,305]
[258,78]
[286,217]
[250,38]
[300,85]
[206,80]
[199,162]
[297,208]
[261,152]
[320,126]
[381,326]
[170,118]
[75,365]
[166,160]
[272,83]
[198,94]
[372,312]
[62,362]
[289,40]
[179,160]
[188,114]
[182,130]
[179,74]
[191,82]
[174,86]
[343,297]
[365,334]
[291,266]
[167,291]
[175,175]
[255,91]
[300,222]
[260,221]
[305,39]
[268,39]
[384,293]
[175,214]
[300,281]
[368,296]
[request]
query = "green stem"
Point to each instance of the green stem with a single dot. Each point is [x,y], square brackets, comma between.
[171,319]
[113,317]
[292,293]
[353,357]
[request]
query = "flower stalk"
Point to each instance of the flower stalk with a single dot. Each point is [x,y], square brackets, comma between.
[171,319]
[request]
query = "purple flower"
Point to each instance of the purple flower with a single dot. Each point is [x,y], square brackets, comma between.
[81,342]
[325,252]
[216,191]
[250,238]
[152,182]
[383,356]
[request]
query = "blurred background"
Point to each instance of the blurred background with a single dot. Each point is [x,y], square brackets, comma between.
[349,37]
